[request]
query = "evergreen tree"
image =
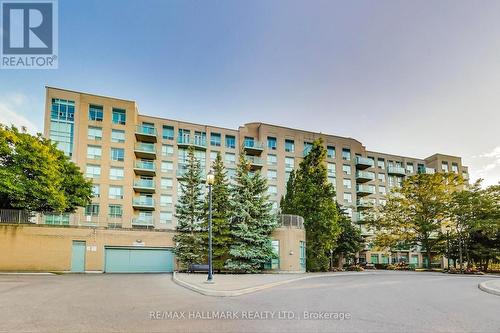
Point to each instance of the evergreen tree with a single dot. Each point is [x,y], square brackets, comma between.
[313,198]
[252,221]
[190,215]
[286,201]
[350,240]
[221,233]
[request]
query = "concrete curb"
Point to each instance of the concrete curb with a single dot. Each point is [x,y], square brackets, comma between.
[239,292]
[486,288]
[26,273]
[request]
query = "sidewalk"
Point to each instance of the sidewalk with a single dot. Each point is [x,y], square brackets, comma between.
[227,285]
[491,286]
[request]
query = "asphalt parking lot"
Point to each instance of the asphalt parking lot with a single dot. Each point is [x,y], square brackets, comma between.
[378,302]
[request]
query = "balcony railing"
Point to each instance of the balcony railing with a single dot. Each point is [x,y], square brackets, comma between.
[365,189]
[149,166]
[255,161]
[364,176]
[143,202]
[146,130]
[196,141]
[252,146]
[396,170]
[144,183]
[363,203]
[147,221]
[364,162]
[145,147]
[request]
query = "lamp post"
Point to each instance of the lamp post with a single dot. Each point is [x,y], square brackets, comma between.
[448,246]
[210,182]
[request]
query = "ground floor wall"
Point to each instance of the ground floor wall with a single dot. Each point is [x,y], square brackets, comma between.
[291,243]
[44,248]
[414,258]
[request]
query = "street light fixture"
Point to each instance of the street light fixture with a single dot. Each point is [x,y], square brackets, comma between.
[210,182]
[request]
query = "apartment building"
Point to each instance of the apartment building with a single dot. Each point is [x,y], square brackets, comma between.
[136,161]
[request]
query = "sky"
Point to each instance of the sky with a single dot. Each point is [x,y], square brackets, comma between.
[408,78]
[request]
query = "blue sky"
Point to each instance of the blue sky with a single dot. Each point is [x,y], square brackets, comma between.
[410,78]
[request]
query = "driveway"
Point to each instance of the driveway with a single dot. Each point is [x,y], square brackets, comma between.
[381,302]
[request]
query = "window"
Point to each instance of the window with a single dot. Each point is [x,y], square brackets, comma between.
[382,202]
[272,159]
[230,158]
[331,169]
[95,112]
[330,152]
[167,150]
[409,167]
[272,174]
[166,183]
[307,148]
[346,169]
[420,168]
[116,173]
[116,192]
[444,166]
[272,143]
[289,146]
[94,133]
[231,173]
[93,171]
[213,156]
[347,198]
[168,132]
[119,116]
[117,136]
[381,163]
[115,210]
[381,189]
[381,177]
[94,152]
[347,183]
[289,163]
[165,200]
[167,166]
[272,190]
[166,217]
[92,210]
[230,141]
[346,154]
[215,139]
[96,190]
[117,154]
[454,167]
[62,124]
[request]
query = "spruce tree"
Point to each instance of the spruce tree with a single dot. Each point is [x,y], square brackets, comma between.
[221,233]
[313,198]
[252,221]
[190,215]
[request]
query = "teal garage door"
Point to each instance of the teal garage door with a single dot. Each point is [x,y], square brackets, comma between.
[138,260]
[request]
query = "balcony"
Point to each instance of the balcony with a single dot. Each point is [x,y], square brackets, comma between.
[364,162]
[143,221]
[361,217]
[145,133]
[253,147]
[255,162]
[143,203]
[144,168]
[145,150]
[364,176]
[362,190]
[364,204]
[396,170]
[198,142]
[144,185]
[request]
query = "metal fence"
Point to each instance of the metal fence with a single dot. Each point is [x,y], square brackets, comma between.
[287,220]
[16,216]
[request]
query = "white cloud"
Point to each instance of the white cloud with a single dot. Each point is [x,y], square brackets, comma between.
[487,166]
[10,112]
